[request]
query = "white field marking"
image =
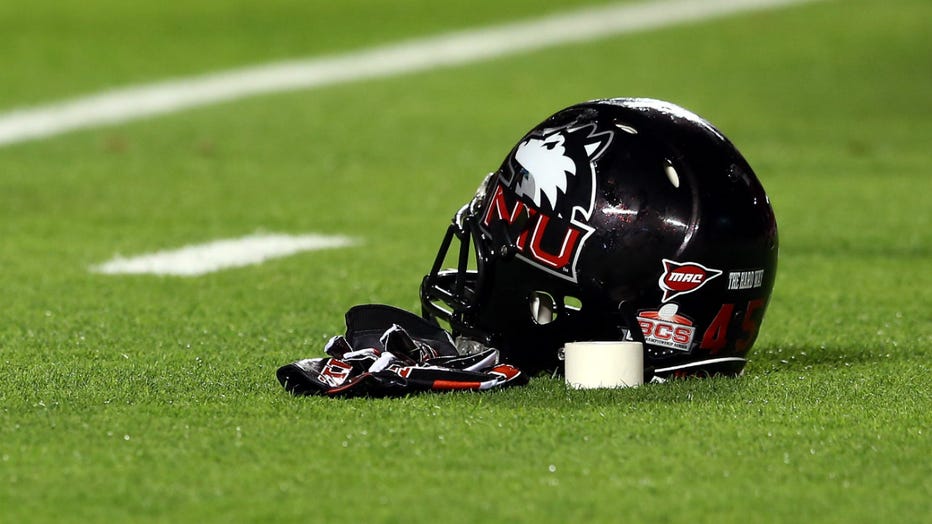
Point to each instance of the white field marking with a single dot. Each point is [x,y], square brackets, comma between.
[199,259]
[450,49]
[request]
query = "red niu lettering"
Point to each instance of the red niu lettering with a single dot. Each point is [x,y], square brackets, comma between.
[566,248]
[500,207]
[500,210]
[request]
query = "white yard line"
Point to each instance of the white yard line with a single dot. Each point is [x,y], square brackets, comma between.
[135,102]
[199,259]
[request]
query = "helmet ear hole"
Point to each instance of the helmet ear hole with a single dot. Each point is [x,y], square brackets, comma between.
[543,307]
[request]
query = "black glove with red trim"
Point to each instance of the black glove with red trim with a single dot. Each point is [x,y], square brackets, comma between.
[387,351]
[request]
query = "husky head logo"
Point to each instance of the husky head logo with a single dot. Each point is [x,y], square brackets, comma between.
[548,164]
[545,168]
[544,194]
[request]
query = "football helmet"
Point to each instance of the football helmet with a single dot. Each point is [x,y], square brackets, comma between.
[614,219]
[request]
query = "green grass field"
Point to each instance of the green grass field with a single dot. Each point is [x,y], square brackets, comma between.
[145,398]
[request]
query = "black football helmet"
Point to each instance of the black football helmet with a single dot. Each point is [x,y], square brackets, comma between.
[613,219]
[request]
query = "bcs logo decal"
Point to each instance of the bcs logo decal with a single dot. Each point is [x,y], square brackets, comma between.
[666,328]
[680,278]
[544,195]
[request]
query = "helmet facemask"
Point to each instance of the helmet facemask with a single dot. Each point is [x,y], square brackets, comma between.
[485,306]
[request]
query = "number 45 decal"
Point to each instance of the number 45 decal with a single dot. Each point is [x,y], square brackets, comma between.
[716,336]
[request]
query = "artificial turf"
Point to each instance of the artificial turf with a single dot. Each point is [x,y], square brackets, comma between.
[142,398]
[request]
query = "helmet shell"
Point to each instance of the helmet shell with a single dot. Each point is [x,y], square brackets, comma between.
[614,219]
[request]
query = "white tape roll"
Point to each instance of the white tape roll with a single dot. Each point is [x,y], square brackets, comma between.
[604,364]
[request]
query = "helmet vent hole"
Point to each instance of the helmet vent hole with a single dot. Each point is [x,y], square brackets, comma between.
[672,175]
[572,303]
[542,308]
